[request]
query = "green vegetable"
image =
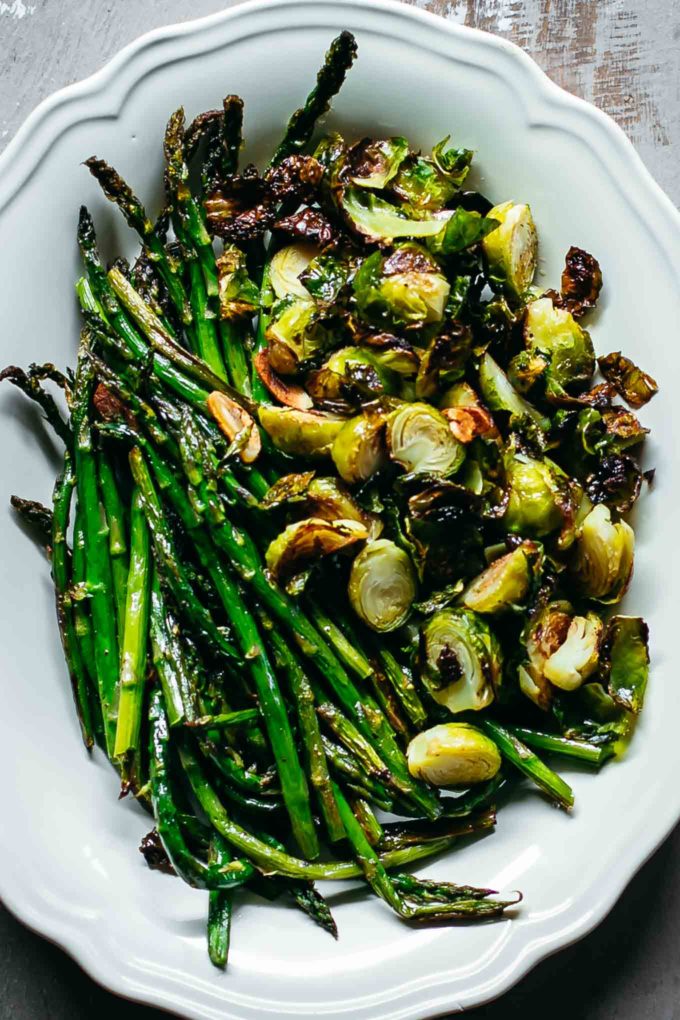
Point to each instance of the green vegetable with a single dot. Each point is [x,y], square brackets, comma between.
[420,440]
[602,557]
[512,248]
[461,660]
[453,754]
[382,585]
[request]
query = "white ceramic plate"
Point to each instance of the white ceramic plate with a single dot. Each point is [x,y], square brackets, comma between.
[69,866]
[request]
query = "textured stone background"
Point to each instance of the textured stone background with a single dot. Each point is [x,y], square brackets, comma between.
[623,55]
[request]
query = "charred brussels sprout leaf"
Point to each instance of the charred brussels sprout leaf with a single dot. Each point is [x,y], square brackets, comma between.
[307,225]
[500,395]
[382,585]
[461,660]
[453,754]
[300,433]
[444,360]
[372,164]
[332,501]
[505,582]
[375,219]
[634,385]
[419,438]
[239,296]
[602,557]
[306,541]
[288,489]
[616,482]
[512,248]
[625,657]
[581,281]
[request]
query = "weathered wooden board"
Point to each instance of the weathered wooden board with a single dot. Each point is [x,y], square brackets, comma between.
[624,55]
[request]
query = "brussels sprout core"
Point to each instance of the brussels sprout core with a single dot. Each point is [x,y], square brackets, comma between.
[359,449]
[382,585]
[286,268]
[461,660]
[505,582]
[420,439]
[512,248]
[603,556]
[577,656]
[453,754]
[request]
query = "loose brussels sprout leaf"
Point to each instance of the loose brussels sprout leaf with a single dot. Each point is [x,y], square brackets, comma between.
[392,353]
[359,449]
[373,163]
[444,360]
[512,248]
[287,266]
[454,163]
[288,489]
[422,186]
[577,657]
[300,433]
[505,582]
[439,599]
[463,229]
[453,754]
[616,481]
[309,225]
[634,385]
[352,375]
[499,394]
[458,296]
[382,585]
[414,296]
[289,393]
[419,438]
[622,428]
[602,561]
[306,541]
[591,714]
[554,332]
[377,220]
[331,153]
[330,500]
[239,296]
[461,660]
[234,421]
[581,281]
[625,657]
[324,277]
[536,495]
[296,333]
[543,635]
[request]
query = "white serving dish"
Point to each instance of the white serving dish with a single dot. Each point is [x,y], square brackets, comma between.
[69,866]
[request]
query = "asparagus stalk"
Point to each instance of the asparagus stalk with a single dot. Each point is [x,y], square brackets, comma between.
[168,659]
[241,717]
[403,687]
[580,750]
[338,60]
[135,640]
[60,574]
[512,748]
[219,908]
[115,522]
[349,653]
[30,385]
[35,515]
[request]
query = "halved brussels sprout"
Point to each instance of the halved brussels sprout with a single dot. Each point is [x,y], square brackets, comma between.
[453,754]
[505,582]
[444,360]
[512,248]
[307,540]
[405,290]
[295,333]
[359,449]
[392,353]
[461,394]
[555,333]
[500,395]
[577,657]
[602,561]
[534,504]
[233,420]
[419,438]
[374,162]
[300,433]
[287,266]
[382,585]
[330,500]
[542,637]
[625,656]
[238,295]
[461,660]
[378,220]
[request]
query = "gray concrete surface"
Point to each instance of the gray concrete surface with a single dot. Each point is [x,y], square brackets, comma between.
[625,56]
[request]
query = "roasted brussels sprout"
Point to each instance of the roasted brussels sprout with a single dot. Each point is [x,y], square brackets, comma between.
[286,268]
[500,395]
[426,185]
[581,281]
[602,559]
[461,660]
[536,495]
[359,448]
[625,661]
[405,289]
[295,332]
[351,372]
[330,500]
[453,754]
[444,360]
[239,296]
[634,385]
[543,635]
[556,335]
[373,163]
[512,248]
[505,582]
[577,657]
[234,421]
[302,433]
[306,541]
[375,219]
[382,585]
[419,438]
